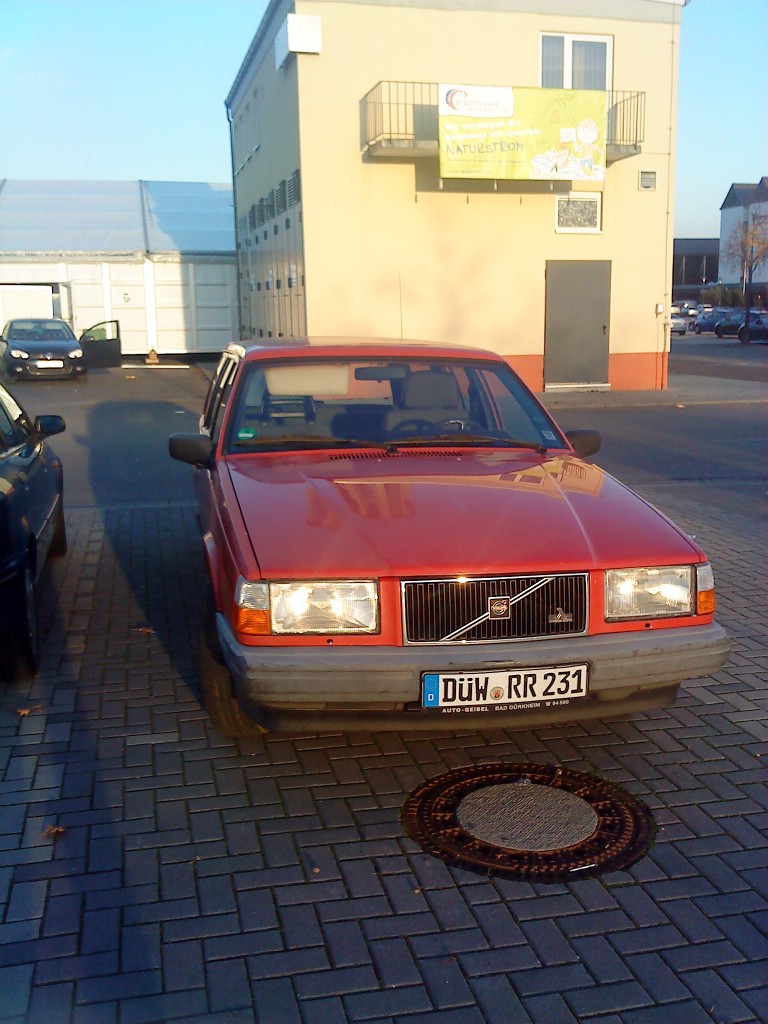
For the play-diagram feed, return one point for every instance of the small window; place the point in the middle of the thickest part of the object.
(221, 398)
(212, 400)
(579, 212)
(7, 433)
(13, 429)
(575, 62)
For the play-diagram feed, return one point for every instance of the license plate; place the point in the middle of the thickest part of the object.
(46, 364)
(507, 690)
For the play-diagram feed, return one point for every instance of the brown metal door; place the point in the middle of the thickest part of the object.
(576, 331)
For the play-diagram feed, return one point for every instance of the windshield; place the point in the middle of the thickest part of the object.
(312, 403)
(39, 330)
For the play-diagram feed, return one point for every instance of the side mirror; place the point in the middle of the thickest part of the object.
(584, 442)
(47, 426)
(196, 449)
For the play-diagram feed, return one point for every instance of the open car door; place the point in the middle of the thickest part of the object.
(101, 344)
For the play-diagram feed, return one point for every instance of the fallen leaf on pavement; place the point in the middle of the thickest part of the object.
(23, 712)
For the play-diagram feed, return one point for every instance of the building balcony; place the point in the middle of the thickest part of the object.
(399, 121)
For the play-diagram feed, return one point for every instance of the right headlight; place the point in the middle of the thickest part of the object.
(659, 592)
(650, 593)
(306, 607)
(19, 353)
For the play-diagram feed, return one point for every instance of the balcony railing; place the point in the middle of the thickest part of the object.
(400, 118)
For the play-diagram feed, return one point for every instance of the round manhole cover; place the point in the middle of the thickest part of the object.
(529, 821)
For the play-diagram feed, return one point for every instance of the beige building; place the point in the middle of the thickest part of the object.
(352, 220)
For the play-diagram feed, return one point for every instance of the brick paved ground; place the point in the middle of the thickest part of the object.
(196, 879)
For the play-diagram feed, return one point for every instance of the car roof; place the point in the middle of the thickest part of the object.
(365, 348)
(37, 320)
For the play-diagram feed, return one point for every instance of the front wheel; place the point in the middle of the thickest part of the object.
(223, 710)
(21, 654)
(59, 540)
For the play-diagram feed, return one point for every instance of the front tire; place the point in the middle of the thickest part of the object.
(21, 654)
(223, 710)
(59, 543)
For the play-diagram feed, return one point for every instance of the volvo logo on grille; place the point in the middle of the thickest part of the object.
(498, 608)
(560, 616)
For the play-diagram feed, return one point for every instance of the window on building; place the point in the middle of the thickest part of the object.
(575, 62)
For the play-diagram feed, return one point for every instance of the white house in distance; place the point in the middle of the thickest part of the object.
(156, 256)
(744, 203)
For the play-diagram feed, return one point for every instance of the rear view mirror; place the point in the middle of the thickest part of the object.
(47, 426)
(381, 373)
(584, 442)
(196, 449)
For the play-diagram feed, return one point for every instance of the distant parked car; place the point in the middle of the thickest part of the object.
(41, 348)
(679, 323)
(758, 328)
(731, 325)
(707, 320)
(31, 528)
(34, 347)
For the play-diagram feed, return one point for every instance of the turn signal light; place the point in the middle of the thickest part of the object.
(252, 621)
(705, 589)
(705, 602)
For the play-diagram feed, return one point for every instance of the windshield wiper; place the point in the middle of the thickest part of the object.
(439, 440)
(309, 441)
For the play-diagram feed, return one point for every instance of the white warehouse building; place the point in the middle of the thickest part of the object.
(158, 257)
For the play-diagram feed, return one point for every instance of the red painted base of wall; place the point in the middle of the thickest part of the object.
(627, 371)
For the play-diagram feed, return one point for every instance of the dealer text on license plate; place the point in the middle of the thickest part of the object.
(510, 690)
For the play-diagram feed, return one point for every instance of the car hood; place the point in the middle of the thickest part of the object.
(366, 514)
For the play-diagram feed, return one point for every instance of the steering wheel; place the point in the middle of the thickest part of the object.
(455, 424)
(414, 426)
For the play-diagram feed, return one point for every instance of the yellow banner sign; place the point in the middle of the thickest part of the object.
(526, 133)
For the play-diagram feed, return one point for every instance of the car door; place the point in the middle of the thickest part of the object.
(26, 492)
(101, 344)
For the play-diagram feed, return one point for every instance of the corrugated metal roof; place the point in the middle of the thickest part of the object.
(116, 217)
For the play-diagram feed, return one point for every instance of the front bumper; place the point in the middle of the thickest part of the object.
(380, 687)
(30, 371)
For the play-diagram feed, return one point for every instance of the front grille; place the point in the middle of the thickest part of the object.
(466, 610)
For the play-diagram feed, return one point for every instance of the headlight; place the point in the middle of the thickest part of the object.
(315, 606)
(19, 353)
(649, 593)
(76, 353)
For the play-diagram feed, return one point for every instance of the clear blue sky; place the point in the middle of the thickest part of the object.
(127, 89)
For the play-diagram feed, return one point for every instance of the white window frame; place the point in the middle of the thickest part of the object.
(569, 39)
(598, 196)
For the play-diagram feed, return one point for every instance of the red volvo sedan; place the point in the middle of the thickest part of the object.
(400, 536)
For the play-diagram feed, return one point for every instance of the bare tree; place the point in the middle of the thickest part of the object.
(747, 247)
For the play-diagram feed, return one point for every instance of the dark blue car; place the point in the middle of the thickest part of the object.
(31, 528)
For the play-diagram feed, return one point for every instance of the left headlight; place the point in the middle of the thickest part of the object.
(316, 606)
(650, 593)
(76, 353)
